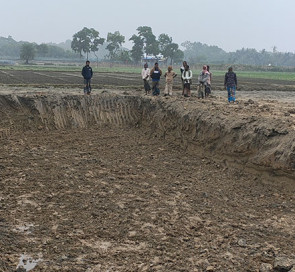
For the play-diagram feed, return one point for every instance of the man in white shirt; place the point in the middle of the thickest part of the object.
(145, 74)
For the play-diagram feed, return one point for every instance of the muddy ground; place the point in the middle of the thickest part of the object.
(119, 181)
(45, 79)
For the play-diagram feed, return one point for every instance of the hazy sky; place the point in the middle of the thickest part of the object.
(229, 24)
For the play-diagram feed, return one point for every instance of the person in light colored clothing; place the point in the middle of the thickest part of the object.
(187, 76)
(145, 74)
(203, 78)
(169, 75)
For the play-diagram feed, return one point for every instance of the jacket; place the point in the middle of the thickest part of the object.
(87, 72)
(156, 74)
(230, 79)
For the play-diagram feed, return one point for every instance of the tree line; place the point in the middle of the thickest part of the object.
(144, 43)
(88, 43)
(11, 49)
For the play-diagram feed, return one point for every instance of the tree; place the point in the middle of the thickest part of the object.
(59, 53)
(178, 56)
(136, 51)
(86, 40)
(42, 49)
(124, 56)
(27, 52)
(150, 44)
(9, 47)
(197, 52)
(164, 40)
(144, 43)
(115, 41)
(169, 49)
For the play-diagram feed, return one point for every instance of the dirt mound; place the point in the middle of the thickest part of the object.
(246, 134)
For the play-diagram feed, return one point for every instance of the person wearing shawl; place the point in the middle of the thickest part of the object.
(203, 79)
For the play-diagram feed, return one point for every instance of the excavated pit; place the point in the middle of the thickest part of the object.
(124, 182)
(264, 143)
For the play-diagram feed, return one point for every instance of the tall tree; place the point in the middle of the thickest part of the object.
(150, 43)
(178, 55)
(124, 56)
(169, 49)
(27, 52)
(86, 40)
(115, 41)
(136, 51)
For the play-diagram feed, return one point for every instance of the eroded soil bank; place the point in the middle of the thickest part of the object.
(116, 182)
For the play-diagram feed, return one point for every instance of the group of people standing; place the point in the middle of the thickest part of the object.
(203, 85)
(203, 81)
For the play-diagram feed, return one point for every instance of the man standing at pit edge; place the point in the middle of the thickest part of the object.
(230, 83)
(155, 75)
(87, 74)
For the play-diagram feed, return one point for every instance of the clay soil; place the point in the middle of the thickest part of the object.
(123, 198)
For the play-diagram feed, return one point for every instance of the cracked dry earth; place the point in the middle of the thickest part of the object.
(105, 199)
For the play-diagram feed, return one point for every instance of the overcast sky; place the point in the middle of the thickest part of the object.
(229, 24)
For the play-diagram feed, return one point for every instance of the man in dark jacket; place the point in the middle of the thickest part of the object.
(156, 73)
(87, 74)
(230, 83)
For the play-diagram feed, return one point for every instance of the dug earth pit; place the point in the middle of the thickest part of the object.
(115, 182)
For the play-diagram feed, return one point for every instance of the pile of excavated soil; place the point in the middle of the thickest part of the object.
(123, 182)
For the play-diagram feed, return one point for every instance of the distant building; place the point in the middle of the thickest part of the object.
(152, 59)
